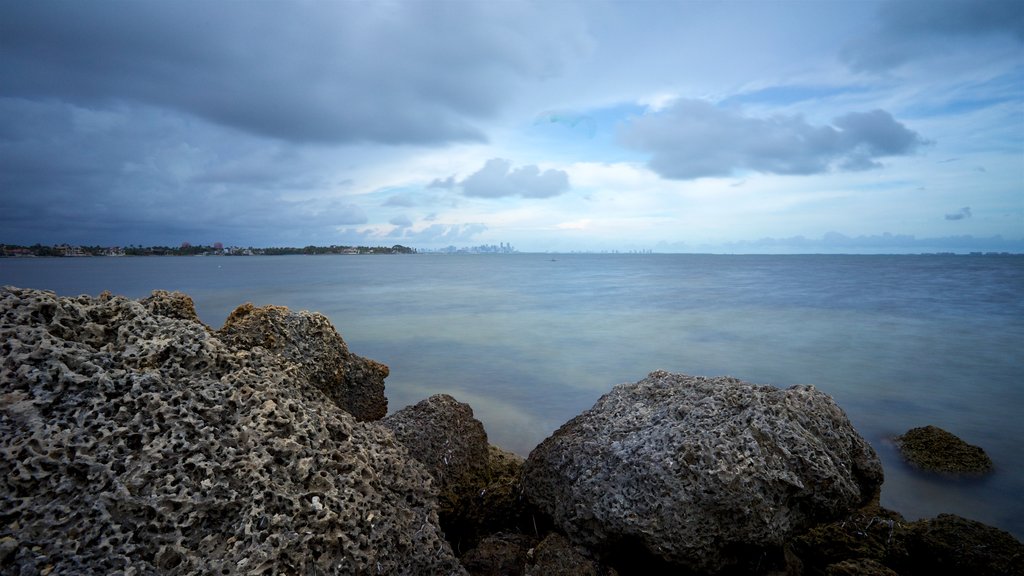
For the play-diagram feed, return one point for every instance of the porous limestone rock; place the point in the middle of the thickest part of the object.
(443, 435)
(308, 340)
(170, 304)
(933, 449)
(135, 441)
(701, 473)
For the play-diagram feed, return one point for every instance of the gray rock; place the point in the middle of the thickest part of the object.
(308, 340)
(443, 435)
(135, 441)
(700, 472)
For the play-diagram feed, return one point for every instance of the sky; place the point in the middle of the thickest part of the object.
(683, 126)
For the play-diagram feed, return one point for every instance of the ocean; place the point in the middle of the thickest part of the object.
(531, 340)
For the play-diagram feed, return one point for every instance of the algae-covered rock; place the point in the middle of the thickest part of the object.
(556, 556)
(949, 544)
(875, 537)
(859, 567)
(871, 533)
(309, 341)
(500, 554)
(702, 473)
(135, 441)
(933, 449)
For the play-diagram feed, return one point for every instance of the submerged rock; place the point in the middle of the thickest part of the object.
(308, 340)
(933, 449)
(700, 473)
(135, 440)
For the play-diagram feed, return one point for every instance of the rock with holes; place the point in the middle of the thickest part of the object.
(133, 440)
(310, 342)
(443, 435)
(700, 473)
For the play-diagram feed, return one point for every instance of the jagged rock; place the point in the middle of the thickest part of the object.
(501, 554)
(443, 435)
(933, 449)
(170, 304)
(870, 533)
(556, 556)
(487, 504)
(500, 504)
(308, 340)
(139, 442)
(510, 554)
(949, 544)
(702, 473)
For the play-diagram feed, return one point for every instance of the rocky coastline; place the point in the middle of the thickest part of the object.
(137, 440)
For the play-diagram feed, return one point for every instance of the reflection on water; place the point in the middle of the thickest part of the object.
(899, 341)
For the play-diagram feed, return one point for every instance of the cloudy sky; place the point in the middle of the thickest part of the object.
(756, 126)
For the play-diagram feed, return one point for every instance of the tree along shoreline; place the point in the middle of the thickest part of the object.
(67, 250)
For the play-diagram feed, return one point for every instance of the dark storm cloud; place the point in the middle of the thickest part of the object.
(497, 179)
(906, 30)
(961, 214)
(409, 72)
(693, 139)
(141, 175)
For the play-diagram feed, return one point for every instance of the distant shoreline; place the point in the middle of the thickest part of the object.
(65, 251)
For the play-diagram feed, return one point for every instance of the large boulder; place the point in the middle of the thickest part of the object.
(700, 473)
(133, 440)
(308, 340)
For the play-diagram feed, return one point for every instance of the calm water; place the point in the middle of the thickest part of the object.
(531, 340)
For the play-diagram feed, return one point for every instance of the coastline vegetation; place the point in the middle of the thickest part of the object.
(187, 249)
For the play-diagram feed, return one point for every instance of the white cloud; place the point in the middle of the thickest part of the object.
(497, 179)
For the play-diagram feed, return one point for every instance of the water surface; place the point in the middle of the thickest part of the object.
(530, 340)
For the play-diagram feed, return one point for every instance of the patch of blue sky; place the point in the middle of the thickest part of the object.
(583, 135)
(786, 95)
(967, 98)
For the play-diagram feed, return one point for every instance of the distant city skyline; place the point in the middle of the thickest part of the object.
(669, 126)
